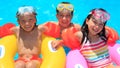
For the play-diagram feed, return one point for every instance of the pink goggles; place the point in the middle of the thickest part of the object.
(100, 15)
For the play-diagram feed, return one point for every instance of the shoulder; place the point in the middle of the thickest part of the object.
(77, 26)
(111, 33)
(42, 27)
(108, 31)
(15, 29)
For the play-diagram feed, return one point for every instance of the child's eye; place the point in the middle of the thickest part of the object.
(101, 25)
(68, 15)
(30, 19)
(61, 15)
(94, 21)
(23, 21)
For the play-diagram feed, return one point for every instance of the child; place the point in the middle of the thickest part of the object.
(93, 38)
(28, 38)
(64, 15)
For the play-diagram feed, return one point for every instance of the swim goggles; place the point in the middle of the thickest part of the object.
(24, 9)
(61, 7)
(100, 15)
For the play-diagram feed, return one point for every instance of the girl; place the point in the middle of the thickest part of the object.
(93, 38)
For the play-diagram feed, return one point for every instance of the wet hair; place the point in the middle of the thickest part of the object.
(85, 30)
(64, 3)
(24, 9)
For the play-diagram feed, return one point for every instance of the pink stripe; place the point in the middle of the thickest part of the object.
(93, 45)
(92, 48)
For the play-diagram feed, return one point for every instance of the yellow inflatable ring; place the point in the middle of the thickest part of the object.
(52, 58)
(8, 49)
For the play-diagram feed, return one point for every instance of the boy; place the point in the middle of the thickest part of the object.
(28, 38)
(64, 15)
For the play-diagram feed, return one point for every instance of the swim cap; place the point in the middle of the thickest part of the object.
(24, 9)
(62, 6)
(100, 15)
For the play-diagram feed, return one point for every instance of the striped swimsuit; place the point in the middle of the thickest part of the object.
(96, 54)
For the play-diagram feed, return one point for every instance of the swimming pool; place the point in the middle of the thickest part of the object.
(46, 10)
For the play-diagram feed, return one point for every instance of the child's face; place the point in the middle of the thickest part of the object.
(27, 21)
(64, 18)
(94, 26)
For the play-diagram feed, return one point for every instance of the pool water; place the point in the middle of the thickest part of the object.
(46, 10)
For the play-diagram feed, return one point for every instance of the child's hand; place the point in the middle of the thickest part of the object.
(56, 43)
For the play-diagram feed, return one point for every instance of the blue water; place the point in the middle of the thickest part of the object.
(46, 10)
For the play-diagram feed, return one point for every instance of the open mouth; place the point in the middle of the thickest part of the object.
(95, 30)
(27, 26)
(64, 22)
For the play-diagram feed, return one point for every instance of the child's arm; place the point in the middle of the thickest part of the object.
(79, 35)
(57, 43)
(70, 39)
(15, 30)
(42, 28)
(112, 35)
(53, 30)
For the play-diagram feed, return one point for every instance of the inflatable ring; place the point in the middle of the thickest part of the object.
(115, 53)
(76, 60)
(8, 49)
(52, 58)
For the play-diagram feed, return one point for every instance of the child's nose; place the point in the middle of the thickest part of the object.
(27, 23)
(64, 18)
(96, 26)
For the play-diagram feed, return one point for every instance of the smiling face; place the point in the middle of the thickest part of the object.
(94, 26)
(27, 21)
(64, 18)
